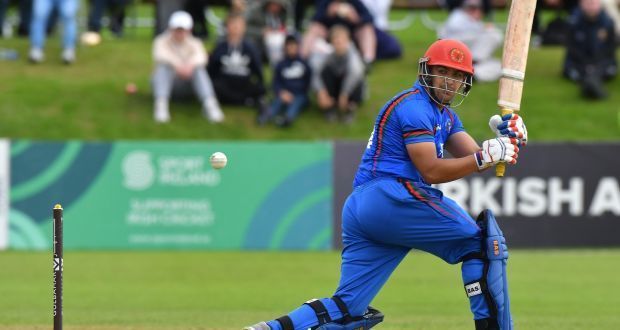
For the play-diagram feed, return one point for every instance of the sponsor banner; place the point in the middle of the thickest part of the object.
(560, 194)
(4, 193)
(154, 195)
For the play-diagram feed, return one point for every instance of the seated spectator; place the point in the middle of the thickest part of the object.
(465, 24)
(116, 20)
(236, 68)
(349, 13)
(41, 12)
(590, 52)
(291, 81)
(180, 61)
(387, 45)
(267, 27)
(340, 81)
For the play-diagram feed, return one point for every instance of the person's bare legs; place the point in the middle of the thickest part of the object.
(366, 38)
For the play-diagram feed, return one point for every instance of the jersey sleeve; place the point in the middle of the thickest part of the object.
(457, 125)
(416, 123)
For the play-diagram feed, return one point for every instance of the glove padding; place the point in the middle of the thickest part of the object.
(501, 149)
(510, 125)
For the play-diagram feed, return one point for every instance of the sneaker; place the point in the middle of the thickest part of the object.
(258, 326)
(348, 117)
(68, 55)
(331, 115)
(161, 113)
(212, 111)
(36, 55)
(282, 121)
(264, 113)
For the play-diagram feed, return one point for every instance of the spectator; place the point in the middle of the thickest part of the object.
(487, 6)
(466, 25)
(291, 81)
(40, 15)
(25, 12)
(197, 9)
(612, 10)
(116, 18)
(163, 11)
(387, 45)
(340, 81)
(236, 68)
(267, 27)
(180, 59)
(590, 52)
(350, 13)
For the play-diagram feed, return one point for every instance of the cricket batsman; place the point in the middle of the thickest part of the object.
(394, 209)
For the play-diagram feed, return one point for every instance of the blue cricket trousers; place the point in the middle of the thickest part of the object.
(382, 220)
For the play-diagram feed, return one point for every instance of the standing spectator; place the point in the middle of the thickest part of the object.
(116, 9)
(197, 9)
(291, 81)
(267, 27)
(25, 12)
(590, 52)
(40, 15)
(236, 68)
(465, 24)
(350, 13)
(341, 79)
(180, 59)
(163, 11)
(387, 45)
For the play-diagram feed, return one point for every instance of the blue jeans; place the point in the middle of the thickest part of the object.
(292, 109)
(40, 14)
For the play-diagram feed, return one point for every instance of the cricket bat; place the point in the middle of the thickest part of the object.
(514, 60)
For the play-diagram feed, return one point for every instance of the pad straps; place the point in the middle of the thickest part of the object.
(321, 312)
(346, 316)
(286, 322)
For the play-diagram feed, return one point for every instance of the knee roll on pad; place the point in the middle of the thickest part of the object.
(493, 284)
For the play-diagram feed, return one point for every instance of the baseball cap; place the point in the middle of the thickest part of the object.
(180, 20)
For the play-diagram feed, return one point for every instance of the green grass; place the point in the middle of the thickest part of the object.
(552, 289)
(87, 100)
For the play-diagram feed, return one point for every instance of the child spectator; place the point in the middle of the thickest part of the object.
(340, 81)
(590, 52)
(180, 59)
(236, 68)
(267, 27)
(291, 81)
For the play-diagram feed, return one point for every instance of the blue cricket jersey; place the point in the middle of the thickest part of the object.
(409, 117)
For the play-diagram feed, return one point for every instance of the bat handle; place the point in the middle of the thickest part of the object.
(500, 168)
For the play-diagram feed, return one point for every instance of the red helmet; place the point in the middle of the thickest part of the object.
(449, 53)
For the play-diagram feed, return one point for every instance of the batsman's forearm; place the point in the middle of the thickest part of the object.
(446, 170)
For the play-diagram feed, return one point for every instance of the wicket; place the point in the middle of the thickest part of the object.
(57, 236)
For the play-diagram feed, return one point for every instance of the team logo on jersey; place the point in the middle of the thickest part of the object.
(448, 125)
(457, 55)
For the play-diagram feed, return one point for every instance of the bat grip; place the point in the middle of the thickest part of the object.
(500, 168)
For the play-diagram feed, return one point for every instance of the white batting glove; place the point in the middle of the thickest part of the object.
(510, 125)
(501, 149)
